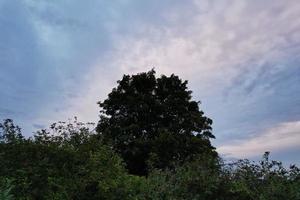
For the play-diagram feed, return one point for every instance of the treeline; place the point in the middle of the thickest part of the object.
(152, 142)
(70, 162)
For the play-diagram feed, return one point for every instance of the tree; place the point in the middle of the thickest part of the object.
(65, 162)
(265, 180)
(152, 122)
(10, 133)
(198, 179)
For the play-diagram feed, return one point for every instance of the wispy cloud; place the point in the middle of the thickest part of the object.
(282, 136)
(234, 53)
(58, 58)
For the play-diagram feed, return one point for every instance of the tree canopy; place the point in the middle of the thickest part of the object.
(153, 122)
(54, 165)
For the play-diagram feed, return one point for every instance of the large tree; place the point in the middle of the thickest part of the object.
(153, 122)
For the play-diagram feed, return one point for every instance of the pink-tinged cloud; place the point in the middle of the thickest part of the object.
(278, 138)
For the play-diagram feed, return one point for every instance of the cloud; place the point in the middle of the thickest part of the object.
(38, 126)
(58, 58)
(48, 49)
(234, 53)
(278, 138)
(17, 72)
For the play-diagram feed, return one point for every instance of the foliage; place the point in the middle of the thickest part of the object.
(152, 122)
(157, 129)
(264, 180)
(58, 165)
(9, 133)
(198, 179)
(242, 180)
(5, 189)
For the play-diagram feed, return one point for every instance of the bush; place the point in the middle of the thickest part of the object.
(5, 189)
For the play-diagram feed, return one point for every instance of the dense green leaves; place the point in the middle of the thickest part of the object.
(69, 163)
(265, 180)
(55, 166)
(208, 180)
(153, 120)
(5, 189)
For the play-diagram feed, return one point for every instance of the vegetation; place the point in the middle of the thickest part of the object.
(5, 190)
(152, 142)
(152, 122)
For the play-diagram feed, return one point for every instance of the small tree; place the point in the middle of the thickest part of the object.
(153, 122)
(10, 133)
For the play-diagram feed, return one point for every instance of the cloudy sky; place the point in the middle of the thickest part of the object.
(58, 58)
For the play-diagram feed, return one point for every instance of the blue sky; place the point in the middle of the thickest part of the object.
(58, 58)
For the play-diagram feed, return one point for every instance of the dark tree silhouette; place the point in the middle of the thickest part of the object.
(10, 133)
(152, 122)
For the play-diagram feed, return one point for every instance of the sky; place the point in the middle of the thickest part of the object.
(241, 58)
